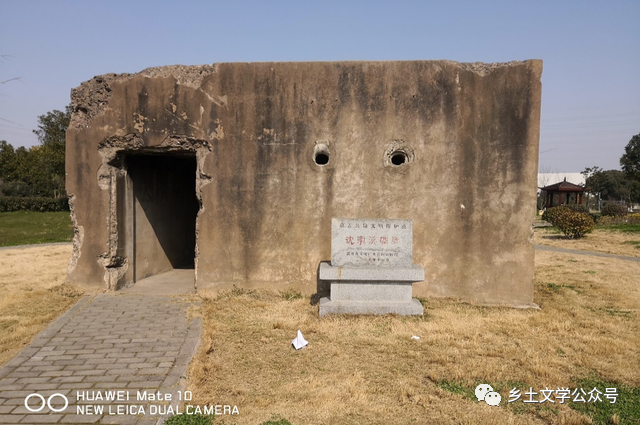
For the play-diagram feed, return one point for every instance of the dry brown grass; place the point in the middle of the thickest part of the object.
(369, 370)
(33, 294)
(607, 241)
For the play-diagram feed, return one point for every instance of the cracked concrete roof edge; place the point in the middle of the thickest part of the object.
(99, 91)
(212, 67)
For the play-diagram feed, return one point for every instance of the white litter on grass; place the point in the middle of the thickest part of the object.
(415, 337)
(299, 341)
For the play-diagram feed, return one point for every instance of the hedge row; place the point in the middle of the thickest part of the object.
(19, 203)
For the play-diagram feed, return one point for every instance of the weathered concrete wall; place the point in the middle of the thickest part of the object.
(469, 133)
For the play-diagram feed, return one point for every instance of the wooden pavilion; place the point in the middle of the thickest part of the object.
(562, 193)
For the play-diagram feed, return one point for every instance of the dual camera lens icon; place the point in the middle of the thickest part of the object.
(33, 406)
(485, 392)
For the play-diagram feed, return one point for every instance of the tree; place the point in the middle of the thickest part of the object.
(38, 171)
(612, 185)
(594, 181)
(630, 160)
(7, 161)
(48, 172)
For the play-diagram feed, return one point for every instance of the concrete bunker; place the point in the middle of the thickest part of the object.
(293, 145)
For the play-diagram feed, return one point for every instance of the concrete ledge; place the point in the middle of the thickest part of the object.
(415, 273)
(403, 308)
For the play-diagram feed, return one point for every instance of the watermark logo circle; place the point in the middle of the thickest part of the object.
(66, 402)
(26, 402)
(46, 402)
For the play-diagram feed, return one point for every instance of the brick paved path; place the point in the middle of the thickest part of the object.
(107, 342)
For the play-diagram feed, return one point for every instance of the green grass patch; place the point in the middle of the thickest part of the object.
(611, 311)
(28, 227)
(291, 295)
(208, 420)
(556, 287)
(625, 410)
(190, 420)
(456, 387)
(276, 421)
(625, 228)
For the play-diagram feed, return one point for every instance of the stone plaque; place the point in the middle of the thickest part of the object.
(371, 242)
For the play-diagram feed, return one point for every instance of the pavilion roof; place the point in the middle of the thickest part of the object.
(564, 186)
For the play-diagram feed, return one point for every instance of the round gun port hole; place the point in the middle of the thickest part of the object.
(322, 159)
(398, 158)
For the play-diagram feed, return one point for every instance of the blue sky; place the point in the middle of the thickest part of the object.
(590, 49)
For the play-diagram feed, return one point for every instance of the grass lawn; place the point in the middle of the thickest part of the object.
(615, 239)
(28, 227)
(33, 294)
(368, 369)
(625, 228)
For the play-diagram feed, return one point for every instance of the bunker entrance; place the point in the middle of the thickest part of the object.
(157, 214)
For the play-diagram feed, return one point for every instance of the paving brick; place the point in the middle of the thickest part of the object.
(120, 354)
(64, 357)
(76, 385)
(95, 355)
(45, 369)
(41, 387)
(110, 385)
(80, 419)
(11, 419)
(144, 365)
(23, 369)
(89, 372)
(111, 372)
(74, 362)
(80, 367)
(144, 385)
(119, 420)
(21, 375)
(41, 419)
(95, 345)
(12, 387)
(48, 353)
(13, 394)
(98, 379)
(129, 360)
(153, 371)
(67, 379)
(32, 362)
(80, 351)
(148, 421)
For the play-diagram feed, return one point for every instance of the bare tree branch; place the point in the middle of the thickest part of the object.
(10, 79)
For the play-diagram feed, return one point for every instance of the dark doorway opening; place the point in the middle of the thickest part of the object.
(157, 224)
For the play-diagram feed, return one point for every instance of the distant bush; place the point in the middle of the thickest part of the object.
(578, 208)
(574, 224)
(552, 214)
(615, 220)
(19, 203)
(614, 210)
